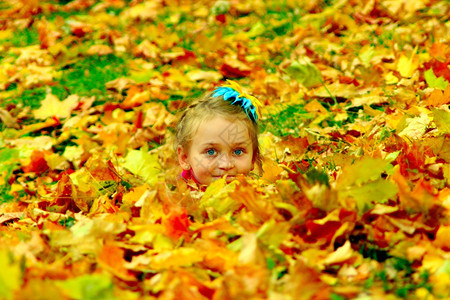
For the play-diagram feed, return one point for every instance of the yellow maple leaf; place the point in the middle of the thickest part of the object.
(51, 106)
(407, 66)
(175, 258)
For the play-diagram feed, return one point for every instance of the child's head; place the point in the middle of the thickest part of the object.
(218, 135)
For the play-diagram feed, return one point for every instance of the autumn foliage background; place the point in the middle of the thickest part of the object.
(354, 200)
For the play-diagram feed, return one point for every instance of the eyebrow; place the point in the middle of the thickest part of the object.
(212, 144)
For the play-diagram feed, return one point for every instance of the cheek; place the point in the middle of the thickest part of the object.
(202, 164)
(246, 165)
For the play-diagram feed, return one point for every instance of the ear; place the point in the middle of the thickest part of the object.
(183, 158)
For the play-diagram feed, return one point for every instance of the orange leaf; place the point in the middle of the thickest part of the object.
(438, 98)
(64, 194)
(177, 224)
(418, 199)
(440, 51)
(44, 38)
(101, 170)
(135, 97)
(112, 259)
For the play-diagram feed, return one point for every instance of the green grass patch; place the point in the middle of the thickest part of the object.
(286, 120)
(67, 222)
(87, 76)
(23, 38)
(403, 283)
(8, 163)
(31, 98)
(64, 14)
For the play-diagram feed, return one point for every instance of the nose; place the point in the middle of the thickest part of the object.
(225, 162)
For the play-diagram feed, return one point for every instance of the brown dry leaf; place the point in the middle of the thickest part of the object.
(47, 35)
(8, 216)
(99, 50)
(80, 29)
(7, 119)
(147, 49)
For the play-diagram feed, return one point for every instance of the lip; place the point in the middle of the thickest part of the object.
(228, 178)
(220, 176)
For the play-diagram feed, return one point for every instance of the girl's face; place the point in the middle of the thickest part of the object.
(219, 147)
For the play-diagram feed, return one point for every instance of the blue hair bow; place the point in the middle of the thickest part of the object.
(234, 94)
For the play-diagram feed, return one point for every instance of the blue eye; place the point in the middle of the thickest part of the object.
(211, 152)
(238, 152)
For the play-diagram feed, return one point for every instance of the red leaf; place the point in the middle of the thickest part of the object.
(177, 224)
(221, 18)
(233, 72)
(319, 231)
(348, 80)
(38, 163)
(441, 69)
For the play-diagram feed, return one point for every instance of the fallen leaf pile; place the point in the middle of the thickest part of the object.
(354, 199)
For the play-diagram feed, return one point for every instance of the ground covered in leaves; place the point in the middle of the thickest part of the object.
(354, 199)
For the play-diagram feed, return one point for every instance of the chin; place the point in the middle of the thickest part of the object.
(230, 178)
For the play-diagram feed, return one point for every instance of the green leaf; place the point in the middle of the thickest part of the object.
(142, 75)
(270, 263)
(337, 297)
(445, 268)
(90, 286)
(144, 164)
(256, 30)
(8, 159)
(435, 82)
(366, 55)
(392, 156)
(220, 7)
(305, 72)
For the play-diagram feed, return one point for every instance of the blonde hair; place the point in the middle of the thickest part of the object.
(207, 108)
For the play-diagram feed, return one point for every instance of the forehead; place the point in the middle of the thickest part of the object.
(224, 130)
